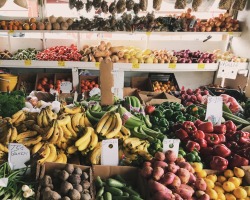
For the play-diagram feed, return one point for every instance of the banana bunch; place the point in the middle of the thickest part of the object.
(64, 121)
(45, 117)
(109, 125)
(8, 133)
(95, 155)
(79, 120)
(29, 138)
(18, 117)
(88, 141)
(72, 111)
(95, 113)
(130, 121)
(133, 103)
(3, 156)
(123, 134)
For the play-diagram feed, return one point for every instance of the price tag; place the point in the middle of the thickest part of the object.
(109, 154)
(61, 63)
(148, 33)
(201, 66)
(171, 144)
(27, 62)
(66, 86)
(0, 62)
(230, 33)
(11, 31)
(172, 65)
(228, 70)
(97, 65)
(135, 65)
(18, 155)
(214, 110)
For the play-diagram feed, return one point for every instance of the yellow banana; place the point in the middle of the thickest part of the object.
(69, 126)
(44, 154)
(86, 135)
(95, 156)
(82, 120)
(72, 111)
(75, 121)
(134, 144)
(66, 132)
(64, 145)
(72, 149)
(8, 136)
(86, 121)
(53, 155)
(21, 118)
(65, 159)
(112, 126)
(45, 119)
(84, 145)
(60, 137)
(125, 131)
(32, 141)
(106, 126)
(39, 119)
(117, 127)
(26, 134)
(16, 115)
(129, 140)
(50, 132)
(129, 155)
(37, 147)
(65, 120)
(29, 123)
(59, 158)
(102, 122)
(145, 155)
(94, 140)
(13, 136)
(21, 128)
(51, 116)
(53, 139)
(3, 148)
(38, 129)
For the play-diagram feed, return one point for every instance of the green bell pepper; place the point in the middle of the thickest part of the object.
(180, 118)
(175, 106)
(158, 113)
(163, 122)
(168, 113)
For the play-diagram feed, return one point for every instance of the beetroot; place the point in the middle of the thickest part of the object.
(170, 156)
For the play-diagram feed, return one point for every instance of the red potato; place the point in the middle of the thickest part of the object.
(172, 167)
(184, 175)
(185, 191)
(170, 156)
(163, 195)
(186, 165)
(161, 164)
(204, 197)
(147, 164)
(180, 159)
(155, 186)
(176, 182)
(200, 184)
(146, 171)
(158, 173)
(192, 178)
(177, 197)
(159, 156)
(167, 178)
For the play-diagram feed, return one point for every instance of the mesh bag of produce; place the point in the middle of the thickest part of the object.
(21, 3)
(157, 4)
(105, 7)
(239, 4)
(97, 4)
(180, 4)
(225, 4)
(143, 5)
(2, 2)
(121, 6)
(196, 4)
(130, 5)
(89, 5)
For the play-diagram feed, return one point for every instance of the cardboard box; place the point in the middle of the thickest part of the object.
(141, 83)
(49, 168)
(27, 81)
(128, 91)
(155, 98)
(49, 76)
(130, 174)
(87, 78)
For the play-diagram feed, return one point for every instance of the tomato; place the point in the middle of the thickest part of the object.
(85, 87)
(58, 82)
(92, 82)
(51, 86)
(39, 86)
(82, 84)
(87, 83)
(96, 85)
(82, 81)
(43, 82)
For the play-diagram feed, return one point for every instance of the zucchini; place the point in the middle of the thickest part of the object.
(100, 192)
(120, 198)
(235, 118)
(119, 178)
(98, 182)
(226, 109)
(114, 183)
(130, 191)
(126, 194)
(100, 198)
(107, 196)
(114, 191)
(133, 197)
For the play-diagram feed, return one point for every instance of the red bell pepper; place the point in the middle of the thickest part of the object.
(181, 134)
(206, 151)
(207, 127)
(238, 161)
(189, 127)
(192, 146)
(231, 127)
(242, 137)
(202, 142)
(222, 138)
(198, 134)
(218, 163)
(197, 122)
(220, 129)
(212, 139)
(221, 150)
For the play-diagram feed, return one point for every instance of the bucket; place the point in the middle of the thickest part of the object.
(7, 82)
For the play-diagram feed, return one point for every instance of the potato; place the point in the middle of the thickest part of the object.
(192, 178)
(200, 184)
(167, 178)
(176, 182)
(158, 173)
(204, 197)
(185, 191)
(159, 156)
(146, 171)
(163, 195)
(161, 164)
(172, 167)
(177, 197)
(184, 175)
(170, 156)
(186, 165)
(155, 186)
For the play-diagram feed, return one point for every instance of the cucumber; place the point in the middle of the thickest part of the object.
(120, 198)
(100, 198)
(226, 109)
(235, 119)
(107, 196)
(131, 191)
(114, 183)
(125, 194)
(100, 192)
(114, 191)
(98, 182)
(133, 197)
(119, 178)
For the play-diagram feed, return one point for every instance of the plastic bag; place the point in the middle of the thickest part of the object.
(196, 4)
(225, 4)
(180, 4)
(239, 4)
(21, 3)
(2, 2)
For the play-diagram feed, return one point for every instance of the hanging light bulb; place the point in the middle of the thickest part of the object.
(21, 3)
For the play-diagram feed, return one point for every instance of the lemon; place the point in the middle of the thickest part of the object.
(212, 177)
(239, 172)
(197, 166)
(210, 184)
(230, 196)
(201, 174)
(219, 189)
(221, 196)
(240, 192)
(212, 193)
(236, 181)
(247, 188)
(228, 173)
(221, 179)
(228, 186)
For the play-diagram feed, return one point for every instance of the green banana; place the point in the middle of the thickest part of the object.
(147, 121)
(97, 114)
(137, 101)
(152, 133)
(141, 135)
(91, 118)
(96, 107)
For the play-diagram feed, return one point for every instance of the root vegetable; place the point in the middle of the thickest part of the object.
(63, 175)
(147, 163)
(170, 156)
(120, 54)
(146, 171)
(78, 170)
(163, 195)
(186, 165)
(161, 164)
(184, 175)
(69, 168)
(167, 178)
(85, 184)
(155, 186)
(78, 187)
(49, 194)
(176, 182)
(74, 194)
(185, 191)
(65, 198)
(160, 156)
(204, 197)
(192, 178)
(56, 26)
(199, 193)
(85, 196)
(64, 26)
(114, 58)
(102, 47)
(74, 179)
(65, 187)
(200, 184)
(47, 182)
(172, 167)
(85, 176)
(101, 53)
(158, 173)
(116, 49)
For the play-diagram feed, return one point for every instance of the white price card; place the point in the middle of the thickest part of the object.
(110, 152)
(214, 110)
(66, 86)
(171, 144)
(18, 155)
(228, 70)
